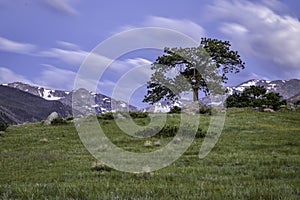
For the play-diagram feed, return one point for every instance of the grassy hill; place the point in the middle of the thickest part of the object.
(256, 157)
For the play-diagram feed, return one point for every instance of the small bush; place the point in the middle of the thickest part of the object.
(70, 118)
(99, 166)
(138, 114)
(175, 110)
(170, 131)
(3, 126)
(205, 110)
(106, 116)
(58, 121)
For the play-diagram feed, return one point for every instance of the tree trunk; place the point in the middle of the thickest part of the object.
(195, 94)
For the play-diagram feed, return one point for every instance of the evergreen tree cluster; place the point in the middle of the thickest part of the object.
(255, 96)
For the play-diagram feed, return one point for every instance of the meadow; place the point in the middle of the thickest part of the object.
(257, 157)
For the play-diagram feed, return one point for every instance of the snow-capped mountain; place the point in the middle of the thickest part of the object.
(163, 107)
(87, 102)
(100, 104)
(39, 91)
(286, 88)
(17, 106)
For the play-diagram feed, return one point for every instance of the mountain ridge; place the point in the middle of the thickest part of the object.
(14, 103)
(17, 106)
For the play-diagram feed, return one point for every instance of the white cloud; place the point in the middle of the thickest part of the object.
(16, 47)
(63, 6)
(187, 27)
(260, 32)
(56, 78)
(125, 76)
(68, 45)
(9, 76)
(72, 57)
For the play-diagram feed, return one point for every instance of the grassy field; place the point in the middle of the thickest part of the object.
(256, 157)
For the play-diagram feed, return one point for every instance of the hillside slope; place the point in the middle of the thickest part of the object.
(17, 106)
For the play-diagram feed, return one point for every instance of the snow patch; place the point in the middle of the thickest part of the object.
(48, 96)
(123, 105)
(241, 89)
(248, 84)
(160, 108)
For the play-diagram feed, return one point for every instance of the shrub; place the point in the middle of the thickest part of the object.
(70, 118)
(99, 166)
(175, 109)
(106, 116)
(138, 114)
(110, 115)
(58, 121)
(205, 110)
(170, 131)
(3, 126)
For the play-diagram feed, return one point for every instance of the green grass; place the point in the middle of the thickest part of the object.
(256, 157)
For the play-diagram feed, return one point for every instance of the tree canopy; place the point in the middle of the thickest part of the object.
(255, 96)
(203, 68)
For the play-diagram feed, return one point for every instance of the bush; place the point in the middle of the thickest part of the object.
(70, 118)
(58, 121)
(170, 131)
(138, 114)
(99, 166)
(134, 115)
(106, 116)
(175, 109)
(3, 126)
(205, 110)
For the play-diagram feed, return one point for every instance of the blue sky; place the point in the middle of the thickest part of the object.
(44, 42)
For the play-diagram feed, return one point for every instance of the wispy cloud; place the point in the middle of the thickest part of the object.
(68, 45)
(259, 31)
(9, 76)
(62, 6)
(185, 26)
(72, 57)
(16, 47)
(54, 77)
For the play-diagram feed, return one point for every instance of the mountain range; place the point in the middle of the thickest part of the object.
(20, 102)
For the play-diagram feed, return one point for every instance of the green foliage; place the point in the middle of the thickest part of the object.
(3, 126)
(59, 121)
(205, 110)
(201, 68)
(175, 109)
(70, 118)
(99, 166)
(106, 116)
(255, 96)
(135, 115)
(170, 130)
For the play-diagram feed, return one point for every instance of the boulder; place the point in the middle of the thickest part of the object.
(148, 143)
(268, 110)
(50, 118)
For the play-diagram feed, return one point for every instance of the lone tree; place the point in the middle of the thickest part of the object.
(203, 68)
